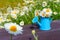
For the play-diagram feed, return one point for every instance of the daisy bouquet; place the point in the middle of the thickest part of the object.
(46, 13)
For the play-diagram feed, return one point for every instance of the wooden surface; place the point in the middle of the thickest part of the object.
(53, 34)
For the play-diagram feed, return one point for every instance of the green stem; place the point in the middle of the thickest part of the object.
(35, 37)
(26, 19)
(10, 36)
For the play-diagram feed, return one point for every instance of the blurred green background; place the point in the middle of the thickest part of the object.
(55, 6)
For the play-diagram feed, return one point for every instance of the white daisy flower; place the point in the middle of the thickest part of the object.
(22, 13)
(25, 8)
(1, 19)
(15, 11)
(5, 16)
(36, 12)
(27, 2)
(22, 23)
(13, 28)
(47, 15)
(44, 4)
(9, 9)
(47, 10)
(14, 16)
(30, 7)
(31, 1)
(55, 13)
(42, 14)
(57, 1)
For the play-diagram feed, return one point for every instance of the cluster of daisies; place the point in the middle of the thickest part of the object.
(17, 14)
(12, 20)
(46, 12)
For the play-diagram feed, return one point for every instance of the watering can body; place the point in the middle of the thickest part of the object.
(44, 23)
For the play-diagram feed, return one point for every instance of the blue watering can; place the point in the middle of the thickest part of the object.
(44, 23)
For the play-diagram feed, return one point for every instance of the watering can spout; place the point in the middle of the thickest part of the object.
(39, 23)
(35, 20)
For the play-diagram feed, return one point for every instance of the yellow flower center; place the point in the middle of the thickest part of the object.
(14, 16)
(13, 28)
(47, 10)
(43, 14)
(14, 12)
(0, 19)
(31, 1)
(47, 15)
(37, 14)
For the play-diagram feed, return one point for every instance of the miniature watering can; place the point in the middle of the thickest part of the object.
(44, 23)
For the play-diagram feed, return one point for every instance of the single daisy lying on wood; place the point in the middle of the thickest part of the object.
(13, 28)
